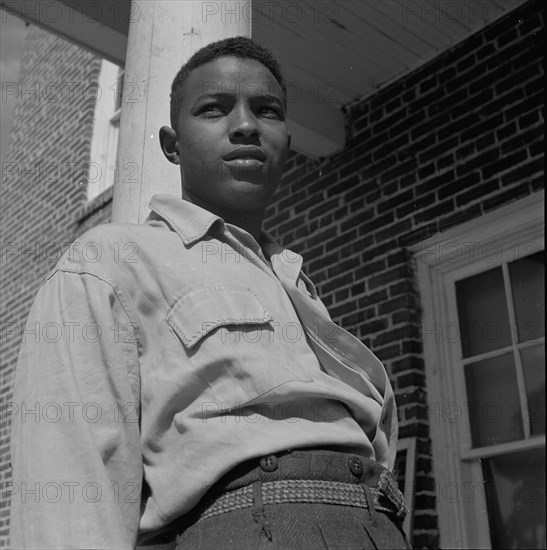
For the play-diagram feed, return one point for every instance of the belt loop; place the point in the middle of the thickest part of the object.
(389, 488)
(258, 509)
(372, 511)
(258, 503)
(370, 503)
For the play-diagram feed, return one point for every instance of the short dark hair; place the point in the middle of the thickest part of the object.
(238, 46)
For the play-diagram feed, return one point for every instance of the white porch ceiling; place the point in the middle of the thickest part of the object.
(341, 49)
(347, 49)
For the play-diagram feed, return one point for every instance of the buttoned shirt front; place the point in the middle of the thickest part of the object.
(156, 358)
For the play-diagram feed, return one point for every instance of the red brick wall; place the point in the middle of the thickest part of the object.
(43, 185)
(447, 143)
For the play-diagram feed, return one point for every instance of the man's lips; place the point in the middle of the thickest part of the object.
(246, 153)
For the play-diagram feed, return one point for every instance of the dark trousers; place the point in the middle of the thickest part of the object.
(305, 499)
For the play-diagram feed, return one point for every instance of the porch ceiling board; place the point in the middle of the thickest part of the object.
(358, 46)
(355, 46)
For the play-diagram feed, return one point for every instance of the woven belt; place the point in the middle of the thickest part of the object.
(307, 491)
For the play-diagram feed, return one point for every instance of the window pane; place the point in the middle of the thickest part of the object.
(482, 313)
(533, 364)
(515, 493)
(494, 404)
(528, 286)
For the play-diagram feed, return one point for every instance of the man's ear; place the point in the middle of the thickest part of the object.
(169, 144)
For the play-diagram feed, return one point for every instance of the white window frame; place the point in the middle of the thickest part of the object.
(516, 230)
(106, 121)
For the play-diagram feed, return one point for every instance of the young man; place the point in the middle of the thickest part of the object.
(201, 392)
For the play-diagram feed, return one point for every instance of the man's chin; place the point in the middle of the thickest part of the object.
(250, 189)
(255, 174)
(249, 198)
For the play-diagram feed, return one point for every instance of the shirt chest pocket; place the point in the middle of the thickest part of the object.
(232, 343)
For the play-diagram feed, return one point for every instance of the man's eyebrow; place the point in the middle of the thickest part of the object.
(228, 95)
(268, 97)
(213, 95)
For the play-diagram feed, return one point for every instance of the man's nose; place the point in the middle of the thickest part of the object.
(244, 124)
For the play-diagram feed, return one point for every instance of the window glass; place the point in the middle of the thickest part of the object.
(493, 401)
(515, 494)
(482, 312)
(528, 287)
(533, 364)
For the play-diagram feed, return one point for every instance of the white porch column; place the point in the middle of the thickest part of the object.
(163, 34)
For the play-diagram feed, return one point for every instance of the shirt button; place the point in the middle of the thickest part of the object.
(356, 467)
(269, 463)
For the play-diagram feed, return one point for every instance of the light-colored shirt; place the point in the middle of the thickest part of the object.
(157, 357)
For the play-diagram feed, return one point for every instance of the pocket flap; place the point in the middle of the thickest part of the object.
(205, 308)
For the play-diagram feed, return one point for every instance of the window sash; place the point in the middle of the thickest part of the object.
(459, 362)
(463, 522)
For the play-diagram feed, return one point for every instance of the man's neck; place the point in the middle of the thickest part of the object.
(248, 221)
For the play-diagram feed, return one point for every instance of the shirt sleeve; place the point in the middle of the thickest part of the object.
(76, 457)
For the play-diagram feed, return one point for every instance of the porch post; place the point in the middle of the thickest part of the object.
(163, 34)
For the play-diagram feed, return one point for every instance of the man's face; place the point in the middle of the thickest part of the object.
(231, 135)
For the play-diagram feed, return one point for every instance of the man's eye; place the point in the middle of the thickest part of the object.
(212, 109)
(270, 111)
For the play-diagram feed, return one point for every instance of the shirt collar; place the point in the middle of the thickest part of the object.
(286, 263)
(189, 221)
(192, 223)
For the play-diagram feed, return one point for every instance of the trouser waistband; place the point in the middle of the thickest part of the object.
(314, 476)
